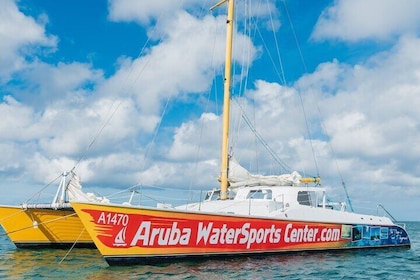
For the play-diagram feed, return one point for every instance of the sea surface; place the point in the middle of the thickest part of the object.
(391, 263)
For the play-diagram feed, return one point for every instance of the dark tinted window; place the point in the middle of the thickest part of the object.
(304, 198)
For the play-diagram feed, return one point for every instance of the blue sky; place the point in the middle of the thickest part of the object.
(66, 68)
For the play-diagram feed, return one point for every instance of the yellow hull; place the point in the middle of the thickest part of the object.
(46, 227)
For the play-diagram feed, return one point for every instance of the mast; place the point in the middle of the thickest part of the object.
(226, 98)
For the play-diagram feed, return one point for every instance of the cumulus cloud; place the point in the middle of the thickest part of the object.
(44, 84)
(58, 109)
(370, 115)
(17, 33)
(181, 63)
(146, 11)
(372, 20)
(197, 138)
(163, 11)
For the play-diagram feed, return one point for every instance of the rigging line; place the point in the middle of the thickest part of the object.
(292, 27)
(72, 247)
(245, 117)
(263, 142)
(335, 161)
(243, 81)
(298, 88)
(317, 105)
(277, 45)
(11, 215)
(111, 115)
(253, 107)
(40, 191)
(157, 129)
(280, 74)
(281, 77)
(205, 110)
(250, 23)
(31, 226)
(119, 104)
(307, 129)
(133, 187)
(244, 51)
(150, 145)
(245, 60)
(233, 70)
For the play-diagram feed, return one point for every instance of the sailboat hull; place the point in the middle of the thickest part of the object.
(44, 228)
(130, 235)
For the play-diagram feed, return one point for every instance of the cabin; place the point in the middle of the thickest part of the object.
(300, 202)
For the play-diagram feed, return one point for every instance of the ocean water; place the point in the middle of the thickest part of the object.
(391, 263)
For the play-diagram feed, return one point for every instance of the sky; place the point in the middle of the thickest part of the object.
(129, 93)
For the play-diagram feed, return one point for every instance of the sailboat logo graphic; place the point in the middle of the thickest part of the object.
(119, 240)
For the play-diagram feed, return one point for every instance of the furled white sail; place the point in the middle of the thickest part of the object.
(75, 193)
(239, 176)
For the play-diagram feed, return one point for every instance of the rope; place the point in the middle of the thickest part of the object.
(336, 163)
(40, 191)
(202, 120)
(261, 139)
(112, 113)
(317, 105)
(31, 226)
(277, 45)
(152, 142)
(74, 244)
(12, 215)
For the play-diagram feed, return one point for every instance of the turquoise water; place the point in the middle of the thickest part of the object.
(393, 263)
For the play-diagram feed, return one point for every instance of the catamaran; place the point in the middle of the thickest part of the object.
(50, 225)
(249, 214)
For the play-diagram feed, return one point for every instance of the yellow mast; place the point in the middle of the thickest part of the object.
(226, 98)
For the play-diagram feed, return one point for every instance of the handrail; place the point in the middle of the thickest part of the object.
(386, 211)
(392, 218)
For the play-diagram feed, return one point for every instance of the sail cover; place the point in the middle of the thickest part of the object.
(75, 193)
(239, 176)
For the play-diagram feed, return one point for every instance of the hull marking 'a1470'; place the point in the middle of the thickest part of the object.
(147, 231)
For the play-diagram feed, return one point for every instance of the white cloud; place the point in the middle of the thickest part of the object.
(45, 84)
(367, 19)
(145, 11)
(69, 102)
(197, 139)
(181, 63)
(370, 113)
(17, 32)
(163, 11)
(16, 119)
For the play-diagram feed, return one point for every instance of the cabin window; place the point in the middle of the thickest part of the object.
(304, 198)
(259, 194)
(212, 195)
